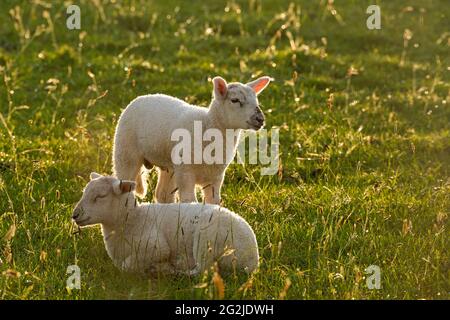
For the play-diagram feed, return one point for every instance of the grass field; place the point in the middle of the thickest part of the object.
(364, 118)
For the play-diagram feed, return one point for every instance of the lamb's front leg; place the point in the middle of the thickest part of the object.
(211, 191)
(165, 189)
(185, 181)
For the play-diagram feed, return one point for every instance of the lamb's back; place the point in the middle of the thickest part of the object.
(152, 119)
(161, 111)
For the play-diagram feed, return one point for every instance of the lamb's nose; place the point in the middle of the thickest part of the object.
(259, 114)
(260, 117)
(76, 213)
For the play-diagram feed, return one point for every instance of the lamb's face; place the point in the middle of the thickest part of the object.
(100, 200)
(240, 106)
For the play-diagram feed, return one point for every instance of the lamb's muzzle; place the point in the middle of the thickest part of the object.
(76, 213)
(79, 217)
(257, 119)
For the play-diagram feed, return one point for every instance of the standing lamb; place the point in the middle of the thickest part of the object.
(144, 137)
(183, 238)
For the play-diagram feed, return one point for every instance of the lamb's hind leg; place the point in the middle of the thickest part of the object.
(185, 181)
(203, 251)
(165, 189)
(211, 191)
(132, 169)
(128, 166)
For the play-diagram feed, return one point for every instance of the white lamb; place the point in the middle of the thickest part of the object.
(144, 138)
(169, 238)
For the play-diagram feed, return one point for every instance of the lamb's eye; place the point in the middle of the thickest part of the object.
(236, 101)
(99, 197)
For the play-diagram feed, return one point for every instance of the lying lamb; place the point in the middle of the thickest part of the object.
(168, 238)
(144, 138)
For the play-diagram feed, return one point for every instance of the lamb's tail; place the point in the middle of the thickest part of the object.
(129, 164)
(141, 178)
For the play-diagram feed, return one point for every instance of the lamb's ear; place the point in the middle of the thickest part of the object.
(259, 84)
(95, 175)
(122, 186)
(220, 88)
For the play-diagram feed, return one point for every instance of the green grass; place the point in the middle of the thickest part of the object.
(365, 159)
